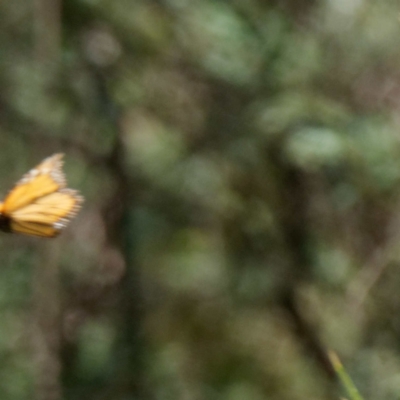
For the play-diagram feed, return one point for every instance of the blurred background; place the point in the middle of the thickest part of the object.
(240, 162)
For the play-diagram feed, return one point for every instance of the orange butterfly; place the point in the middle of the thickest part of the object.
(40, 204)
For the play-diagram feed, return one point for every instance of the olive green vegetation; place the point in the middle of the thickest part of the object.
(240, 162)
(345, 379)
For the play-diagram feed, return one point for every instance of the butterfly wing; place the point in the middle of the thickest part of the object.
(47, 215)
(44, 179)
(39, 204)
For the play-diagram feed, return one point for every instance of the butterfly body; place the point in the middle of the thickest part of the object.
(40, 204)
(5, 225)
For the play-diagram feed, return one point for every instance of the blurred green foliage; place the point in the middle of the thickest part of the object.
(241, 167)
